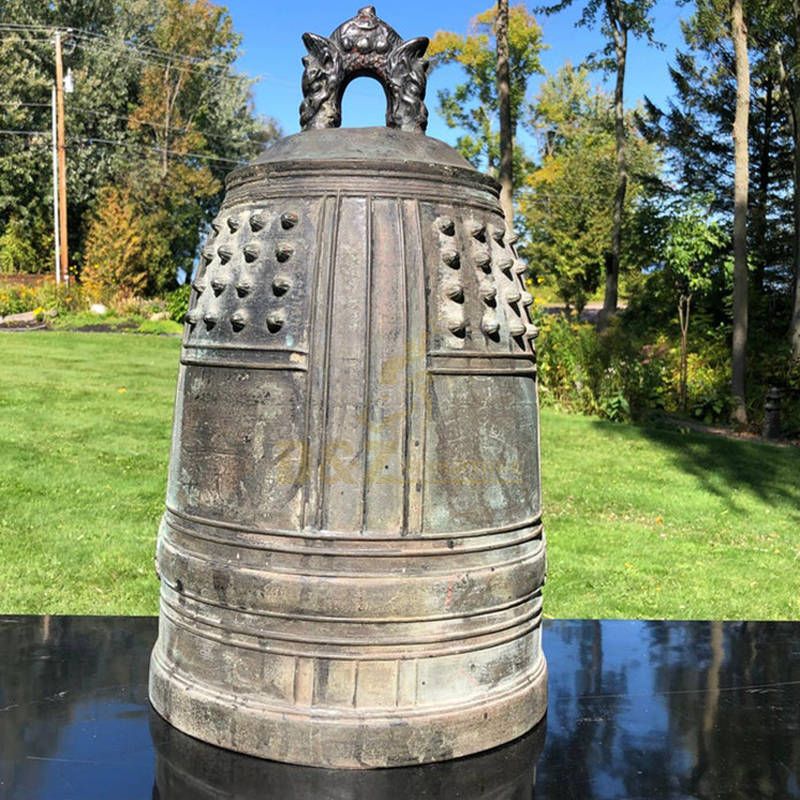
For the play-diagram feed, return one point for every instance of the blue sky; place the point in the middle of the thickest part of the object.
(272, 49)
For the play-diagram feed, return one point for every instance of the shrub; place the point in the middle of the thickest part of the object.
(126, 304)
(17, 254)
(121, 248)
(708, 388)
(568, 359)
(178, 302)
(18, 298)
(614, 375)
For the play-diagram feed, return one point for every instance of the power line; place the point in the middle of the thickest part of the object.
(117, 143)
(10, 132)
(22, 104)
(165, 55)
(108, 115)
(131, 52)
(25, 26)
(153, 54)
(135, 145)
(15, 37)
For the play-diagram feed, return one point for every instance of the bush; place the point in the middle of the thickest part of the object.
(126, 304)
(178, 302)
(17, 254)
(18, 298)
(121, 248)
(616, 376)
(568, 359)
(605, 374)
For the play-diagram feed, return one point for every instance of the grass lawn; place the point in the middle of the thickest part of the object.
(641, 522)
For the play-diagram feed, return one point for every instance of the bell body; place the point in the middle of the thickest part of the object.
(352, 557)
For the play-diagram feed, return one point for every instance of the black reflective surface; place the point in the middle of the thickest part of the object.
(637, 710)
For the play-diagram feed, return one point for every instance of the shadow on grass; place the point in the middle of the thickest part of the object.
(723, 466)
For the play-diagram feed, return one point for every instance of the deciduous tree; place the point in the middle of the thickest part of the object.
(567, 206)
(473, 106)
(694, 247)
(158, 111)
(618, 20)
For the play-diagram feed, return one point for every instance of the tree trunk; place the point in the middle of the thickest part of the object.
(167, 110)
(794, 324)
(741, 166)
(760, 210)
(620, 34)
(506, 175)
(684, 308)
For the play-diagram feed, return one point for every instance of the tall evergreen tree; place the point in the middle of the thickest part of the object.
(780, 32)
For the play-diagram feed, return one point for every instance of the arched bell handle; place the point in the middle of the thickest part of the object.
(364, 45)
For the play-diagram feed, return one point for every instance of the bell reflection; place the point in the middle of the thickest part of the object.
(188, 769)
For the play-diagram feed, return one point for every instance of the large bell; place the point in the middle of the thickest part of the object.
(352, 556)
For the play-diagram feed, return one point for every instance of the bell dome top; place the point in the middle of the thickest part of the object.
(363, 46)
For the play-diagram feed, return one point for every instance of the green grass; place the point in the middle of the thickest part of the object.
(641, 522)
(655, 523)
(84, 439)
(83, 320)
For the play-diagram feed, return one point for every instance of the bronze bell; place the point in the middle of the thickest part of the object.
(352, 556)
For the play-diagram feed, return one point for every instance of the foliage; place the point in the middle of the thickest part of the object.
(18, 298)
(17, 253)
(154, 82)
(473, 106)
(630, 16)
(566, 208)
(618, 20)
(120, 248)
(695, 130)
(622, 374)
(568, 355)
(694, 247)
(178, 302)
(707, 384)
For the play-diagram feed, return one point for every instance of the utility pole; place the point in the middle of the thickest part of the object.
(56, 218)
(62, 164)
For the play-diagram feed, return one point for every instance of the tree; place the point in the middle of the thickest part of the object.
(154, 86)
(174, 186)
(120, 248)
(693, 248)
(694, 132)
(567, 203)
(618, 19)
(504, 102)
(780, 31)
(740, 192)
(474, 105)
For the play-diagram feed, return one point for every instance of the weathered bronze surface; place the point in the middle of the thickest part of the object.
(352, 555)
